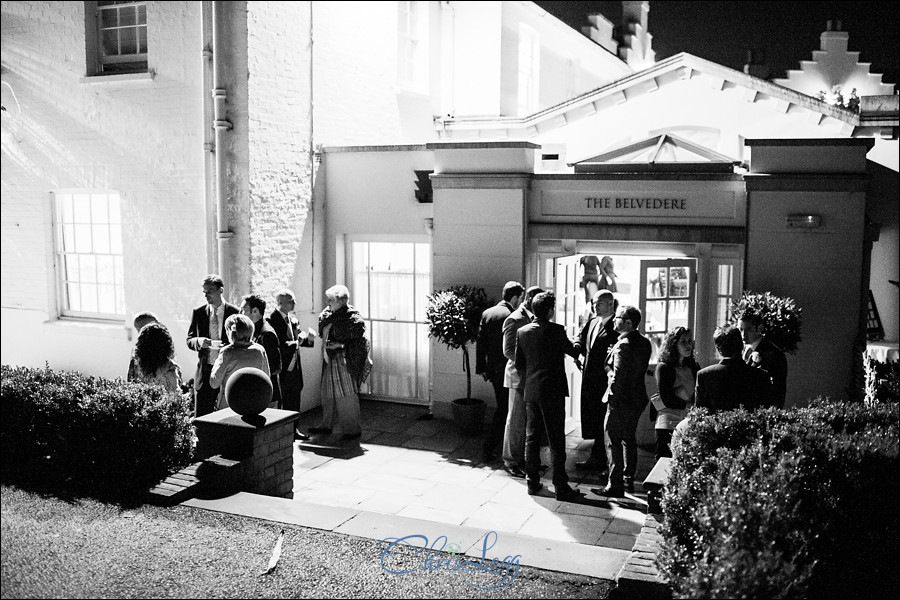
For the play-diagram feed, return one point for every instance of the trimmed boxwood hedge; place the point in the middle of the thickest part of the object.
(797, 503)
(72, 434)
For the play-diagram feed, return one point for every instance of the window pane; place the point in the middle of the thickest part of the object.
(115, 239)
(142, 40)
(82, 238)
(110, 42)
(142, 17)
(679, 282)
(360, 282)
(108, 19)
(68, 238)
(128, 41)
(101, 238)
(656, 282)
(74, 295)
(120, 300)
(393, 372)
(70, 268)
(82, 208)
(114, 209)
(89, 297)
(106, 270)
(722, 311)
(422, 356)
(120, 272)
(391, 278)
(726, 274)
(88, 269)
(656, 342)
(107, 298)
(655, 319)
(99, 210)
(66, 209)
(127, 16)
(678, 314)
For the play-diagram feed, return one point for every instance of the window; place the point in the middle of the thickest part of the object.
(390, 283)
(529, 69)
(89, 254)
(667, 298)
(116, 35)
(412, 46)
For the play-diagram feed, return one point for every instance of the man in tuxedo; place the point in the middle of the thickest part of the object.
(541, 347)
(490, 362)
(514, 431)
(761, 352)
(732, 383)
(596, 338)
(254, 307)
(287, 328)
(206, 335)
(626, 397)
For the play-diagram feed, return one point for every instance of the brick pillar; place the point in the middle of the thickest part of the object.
(264, 445)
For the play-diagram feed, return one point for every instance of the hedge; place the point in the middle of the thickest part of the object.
(69, 433)
(776, 503)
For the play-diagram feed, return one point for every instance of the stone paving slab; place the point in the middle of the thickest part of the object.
(282, 510)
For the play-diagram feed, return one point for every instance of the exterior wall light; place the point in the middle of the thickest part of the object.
(804, 221)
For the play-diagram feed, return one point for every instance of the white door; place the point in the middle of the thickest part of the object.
(569, 308)
(667, 298)
(390, 283)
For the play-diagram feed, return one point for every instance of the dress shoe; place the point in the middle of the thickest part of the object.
(609, 492)
(567, 494)
(534, 488)
(590, 465)
(352, 436)
(514, 471)
(320, 429)
(299, 435)
(629, 487)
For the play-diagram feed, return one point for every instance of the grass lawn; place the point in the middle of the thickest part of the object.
(87, 549)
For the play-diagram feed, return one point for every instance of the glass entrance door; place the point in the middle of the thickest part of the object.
(667, 298)
(390, 283)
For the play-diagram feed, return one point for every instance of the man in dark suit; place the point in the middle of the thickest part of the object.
(255, 307)
(596, 338)
(514, 431)
(732, 383)
(206, 335)
(287, 328)
(762, 353)
(490, 362)
(626, 397)
(541, 347)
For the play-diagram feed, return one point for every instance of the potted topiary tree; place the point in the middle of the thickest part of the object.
(453, 317)
(781, 317)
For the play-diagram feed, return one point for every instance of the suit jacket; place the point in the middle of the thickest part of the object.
(541, 347)
(199, 328)
(265, 336)
(732, 383)
(489, 358)
(594, 343)
(628, 360)
(286, 350)
(773, 362)
(511, 325)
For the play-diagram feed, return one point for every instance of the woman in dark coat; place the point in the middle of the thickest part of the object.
(345, 366)
(676, 378)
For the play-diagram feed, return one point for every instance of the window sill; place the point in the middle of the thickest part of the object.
(118, 78)
(73, 326)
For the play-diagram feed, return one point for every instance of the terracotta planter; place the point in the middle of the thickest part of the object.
(468, 414)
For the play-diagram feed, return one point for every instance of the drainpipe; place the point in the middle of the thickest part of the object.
(221, 125)
(208, 145)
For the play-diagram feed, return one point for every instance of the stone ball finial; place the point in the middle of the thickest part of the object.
(248, 391)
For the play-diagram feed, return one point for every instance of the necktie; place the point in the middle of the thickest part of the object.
(748, 350)
(290, 328)
(213, 323)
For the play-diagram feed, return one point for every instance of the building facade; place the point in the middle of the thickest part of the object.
(309, 143)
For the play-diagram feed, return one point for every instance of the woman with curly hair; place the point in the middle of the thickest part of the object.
(676, 378)
(154, 352)
(345, 366)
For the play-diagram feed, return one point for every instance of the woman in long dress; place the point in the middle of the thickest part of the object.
(345, 365)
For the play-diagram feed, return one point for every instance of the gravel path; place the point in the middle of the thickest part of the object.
(56, 549)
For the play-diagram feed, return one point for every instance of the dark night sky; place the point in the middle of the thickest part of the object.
(787, 31)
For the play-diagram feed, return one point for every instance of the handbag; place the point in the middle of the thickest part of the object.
(657, 402)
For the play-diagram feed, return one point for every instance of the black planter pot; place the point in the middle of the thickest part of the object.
(468, 414)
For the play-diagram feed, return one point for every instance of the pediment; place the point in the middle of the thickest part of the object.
(663, 152)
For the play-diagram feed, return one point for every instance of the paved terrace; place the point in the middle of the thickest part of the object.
(408, 476)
